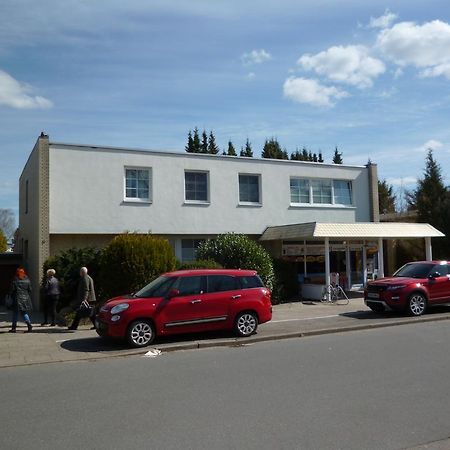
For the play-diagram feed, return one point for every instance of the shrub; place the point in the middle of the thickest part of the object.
(130, 261)
(67, 265)
(238, 251)
(200, 264)
(3, 243)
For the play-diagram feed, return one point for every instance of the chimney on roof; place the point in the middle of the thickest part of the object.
(43, 135)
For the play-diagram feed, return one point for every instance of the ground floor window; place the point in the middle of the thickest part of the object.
(189, 249)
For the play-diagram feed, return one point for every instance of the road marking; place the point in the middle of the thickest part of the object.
(307, 318)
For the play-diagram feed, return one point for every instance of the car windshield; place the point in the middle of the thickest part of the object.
(157, 288)
(414, 270)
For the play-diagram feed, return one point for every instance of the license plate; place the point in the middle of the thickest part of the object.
(373, 295)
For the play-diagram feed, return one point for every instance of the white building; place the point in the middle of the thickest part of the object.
(80, 195)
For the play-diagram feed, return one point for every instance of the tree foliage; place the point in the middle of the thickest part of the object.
(272, 149)
(247, 151)
(67, 265)
(231, 150)
(238, 251)
(386, 197)
(213, 149)
(130, 261)
(3, 243)
(337, 158)
(7, 222)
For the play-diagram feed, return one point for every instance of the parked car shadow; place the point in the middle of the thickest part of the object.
(99, 344)
(371, 315)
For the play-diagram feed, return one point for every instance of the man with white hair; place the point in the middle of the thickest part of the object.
(85, 299)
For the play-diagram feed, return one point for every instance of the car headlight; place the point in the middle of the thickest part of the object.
(395, 288)
(119, 308)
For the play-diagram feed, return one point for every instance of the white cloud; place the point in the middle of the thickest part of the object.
(350, 65)
(424, 46)
(432, 143)
(384, 21)
(255, 57)
(403, 181)
(251, 75)
(303, 90)
(18, 95)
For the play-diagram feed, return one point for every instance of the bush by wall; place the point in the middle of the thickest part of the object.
(130, 261)
(286, 284)
(238, 251)
(67, 265)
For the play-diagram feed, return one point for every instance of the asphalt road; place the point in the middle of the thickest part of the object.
(376, 389)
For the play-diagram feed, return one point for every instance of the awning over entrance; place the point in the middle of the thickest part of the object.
(359, 230)
(331, 234)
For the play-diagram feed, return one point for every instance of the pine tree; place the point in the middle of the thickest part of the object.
(314, 157)
(310, 156)
(204, 144)
(196, 141)
(337, 159)
(190, 143)
(296, 156)
(212, 146)
(272, 149)
(386, 197)
(304, 154)
(231, 149)
(320, 157)
(248, 149)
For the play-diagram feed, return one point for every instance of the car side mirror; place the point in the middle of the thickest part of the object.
(173, 293)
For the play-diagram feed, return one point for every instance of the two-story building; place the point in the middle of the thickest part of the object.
(322, 217)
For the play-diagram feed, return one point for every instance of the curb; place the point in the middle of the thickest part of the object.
(243, 341)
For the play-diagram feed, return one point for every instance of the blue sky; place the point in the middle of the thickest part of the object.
(369, 77)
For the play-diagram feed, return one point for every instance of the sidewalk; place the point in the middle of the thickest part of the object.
(57, 344)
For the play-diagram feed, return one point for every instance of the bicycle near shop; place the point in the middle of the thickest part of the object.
(333, 293)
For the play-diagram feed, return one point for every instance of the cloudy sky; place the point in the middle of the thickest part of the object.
(370, 77)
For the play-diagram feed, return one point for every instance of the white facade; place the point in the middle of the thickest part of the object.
(76, 195)
(87, 193)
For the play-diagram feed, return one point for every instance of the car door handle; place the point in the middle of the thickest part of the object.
(196, 301)
(236, 296)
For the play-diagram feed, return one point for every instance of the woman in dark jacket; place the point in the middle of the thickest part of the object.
(21, 295)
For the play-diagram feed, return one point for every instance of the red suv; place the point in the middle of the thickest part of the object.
(413, 288)
(188, 301)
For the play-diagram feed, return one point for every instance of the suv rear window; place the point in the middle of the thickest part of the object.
(250, 282)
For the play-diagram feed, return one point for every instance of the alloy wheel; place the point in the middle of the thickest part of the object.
(141, 334)
(246, 324)
(417, 304)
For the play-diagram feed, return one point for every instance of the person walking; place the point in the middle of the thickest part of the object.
(85, 299)
(20, 293)
(52, 292)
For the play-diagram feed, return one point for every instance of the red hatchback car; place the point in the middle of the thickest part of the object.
(411, 289)
(188, 301)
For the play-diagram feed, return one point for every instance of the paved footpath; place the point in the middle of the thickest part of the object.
(57, 344)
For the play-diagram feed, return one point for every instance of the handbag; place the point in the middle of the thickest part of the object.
(8, 301)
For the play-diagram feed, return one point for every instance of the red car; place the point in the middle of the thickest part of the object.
(411, 289)
(188, 301)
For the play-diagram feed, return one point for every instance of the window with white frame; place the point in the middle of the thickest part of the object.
(300, 190)
(342, 192)
(249, 188)
(196, 186)
(320, 191)
(189, 249)
(138, 184)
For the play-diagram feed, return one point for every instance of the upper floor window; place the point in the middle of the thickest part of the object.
(196, 186)
(321, 191)
(249, 188)
(138, 184)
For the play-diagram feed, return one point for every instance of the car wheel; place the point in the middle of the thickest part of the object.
(417, 304)
(140, 333)
(246, 324)
(377, 307)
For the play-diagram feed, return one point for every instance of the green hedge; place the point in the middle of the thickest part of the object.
(130, 261)
(200, 264)
(67, 265)
(238, 251)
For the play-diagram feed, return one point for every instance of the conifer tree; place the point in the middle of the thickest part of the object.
(272, 149)
(190, 143)
(304, 154)
(386, 197)
(213, 149)
(196, 141)
(248, 150)
(320, 157)
(314, 157)
(337, 158)
(310, 156)
(204, 144)
(231, 149)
